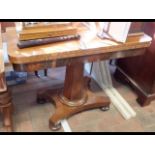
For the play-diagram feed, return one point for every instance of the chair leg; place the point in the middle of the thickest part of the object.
(7, 118)
(37, 74)
(45, 72)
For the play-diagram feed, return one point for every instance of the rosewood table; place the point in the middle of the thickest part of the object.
(75, 96)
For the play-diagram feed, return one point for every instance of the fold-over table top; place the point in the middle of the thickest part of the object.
(88, 45)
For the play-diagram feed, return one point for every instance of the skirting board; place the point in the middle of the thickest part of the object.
(104, 67)
(101, 75)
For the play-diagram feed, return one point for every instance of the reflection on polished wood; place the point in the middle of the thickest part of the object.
(71, 49)
(75, 96)
(2, 79)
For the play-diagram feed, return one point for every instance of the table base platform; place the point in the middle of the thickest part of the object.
(64, 111)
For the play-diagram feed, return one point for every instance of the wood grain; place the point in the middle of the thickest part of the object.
(1, 54)
(74, 54)
(70, 49)
(47, 25)
(5, 96)
(31, 67)
(2, 77)
(40, 33)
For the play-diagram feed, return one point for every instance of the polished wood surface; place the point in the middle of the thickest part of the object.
(139, 71)
(77, 98)
(5, 95)
(6, 110)
(70, 49)
(1, 54)
(76, 95)
(47, 32)
(2, 79)
(31, 67)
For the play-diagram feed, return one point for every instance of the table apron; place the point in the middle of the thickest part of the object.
(30, 67)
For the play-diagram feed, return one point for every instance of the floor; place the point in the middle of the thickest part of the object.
(29, 116)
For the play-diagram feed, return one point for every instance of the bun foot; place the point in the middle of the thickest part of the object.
(54, 127)
(105, 108)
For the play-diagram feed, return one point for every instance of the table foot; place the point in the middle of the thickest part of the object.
(63, 111)
(54, 127)
(105, 108)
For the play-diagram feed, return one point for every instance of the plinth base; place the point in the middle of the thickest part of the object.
(64, 111)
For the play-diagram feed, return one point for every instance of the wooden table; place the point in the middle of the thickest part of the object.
(76, 96)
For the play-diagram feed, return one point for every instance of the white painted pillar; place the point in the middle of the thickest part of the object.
(101, 74)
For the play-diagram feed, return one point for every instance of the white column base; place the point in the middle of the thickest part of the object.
(65, 126)
(102, 76)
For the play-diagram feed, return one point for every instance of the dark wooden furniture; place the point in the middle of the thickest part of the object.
(5, 95)
(139, 72)
(75, 96)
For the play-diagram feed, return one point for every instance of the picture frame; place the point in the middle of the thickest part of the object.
(117, 31)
